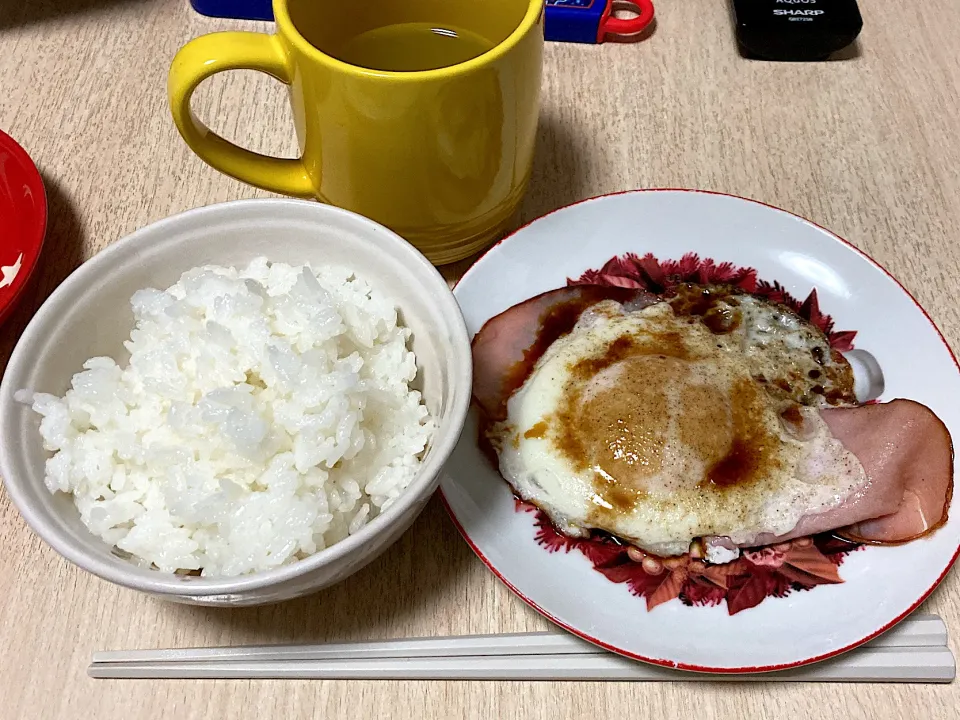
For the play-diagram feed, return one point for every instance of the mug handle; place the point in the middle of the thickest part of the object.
(210, 54)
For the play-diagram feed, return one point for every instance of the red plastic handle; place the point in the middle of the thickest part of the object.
(625, 27)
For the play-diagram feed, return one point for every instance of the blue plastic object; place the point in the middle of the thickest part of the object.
(579, 21)
(237, 9)
(591, 21)
(573, 20)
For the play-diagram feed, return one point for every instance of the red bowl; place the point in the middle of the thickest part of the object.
(23, 221)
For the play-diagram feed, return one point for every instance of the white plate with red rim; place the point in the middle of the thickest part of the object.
(725, 630)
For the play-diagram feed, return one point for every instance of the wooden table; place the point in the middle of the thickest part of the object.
(868, 146)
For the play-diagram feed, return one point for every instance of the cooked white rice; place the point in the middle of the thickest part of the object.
(264, 415)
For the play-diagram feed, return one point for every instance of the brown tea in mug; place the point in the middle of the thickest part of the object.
(410, 47)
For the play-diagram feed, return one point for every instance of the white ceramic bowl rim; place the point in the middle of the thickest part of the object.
(200, 586)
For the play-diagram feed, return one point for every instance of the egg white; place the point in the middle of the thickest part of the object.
(671, 503)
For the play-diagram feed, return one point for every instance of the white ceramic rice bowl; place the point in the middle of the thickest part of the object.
(89, 315)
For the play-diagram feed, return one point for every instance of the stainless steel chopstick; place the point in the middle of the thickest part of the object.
(915, 631)
(885, 664)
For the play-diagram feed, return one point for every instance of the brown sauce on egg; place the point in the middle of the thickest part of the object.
(792, 415)
(739, 463)
(608, 430)
(619, 431)
(704, 423)
(664, 345)
(558, 321)
(753, 450)
(717, 308)
(840, 376)
(714, 306)
(537, 431)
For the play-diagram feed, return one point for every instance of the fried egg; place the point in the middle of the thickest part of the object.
(679, 421)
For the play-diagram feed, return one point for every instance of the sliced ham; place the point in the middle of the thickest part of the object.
(509, 344)
(907, 453)
(903, 446)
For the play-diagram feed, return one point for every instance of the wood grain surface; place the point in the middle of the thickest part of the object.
(868, 146)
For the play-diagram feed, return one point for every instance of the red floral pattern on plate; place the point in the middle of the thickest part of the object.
(773, 571)
(658, 276)
(799, 564)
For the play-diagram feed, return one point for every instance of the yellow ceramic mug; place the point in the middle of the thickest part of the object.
(440, 155)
